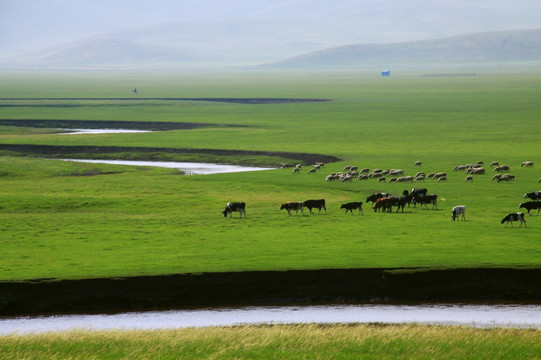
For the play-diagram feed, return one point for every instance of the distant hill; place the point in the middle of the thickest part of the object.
(487, 47)
(217, 43)
(109, 52)
(270, 44)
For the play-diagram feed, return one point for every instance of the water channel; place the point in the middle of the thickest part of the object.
(186, 167)
(517, 316)
(99, 131)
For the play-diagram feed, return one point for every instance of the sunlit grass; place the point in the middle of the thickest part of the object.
(281, 342)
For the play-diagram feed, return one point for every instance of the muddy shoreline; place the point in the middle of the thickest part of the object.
(108, 124)
(300, 287)
(53, 150)
(246, 101)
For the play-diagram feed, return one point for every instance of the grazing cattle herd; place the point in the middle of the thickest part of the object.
(383, 202)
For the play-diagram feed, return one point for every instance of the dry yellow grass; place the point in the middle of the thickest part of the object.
(373, 341)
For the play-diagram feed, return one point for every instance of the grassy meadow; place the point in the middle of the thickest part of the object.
(371, 341)
(74, 220)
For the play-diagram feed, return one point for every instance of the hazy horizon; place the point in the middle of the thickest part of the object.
(256, 30)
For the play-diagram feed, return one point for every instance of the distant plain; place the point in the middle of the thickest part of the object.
(74, 220)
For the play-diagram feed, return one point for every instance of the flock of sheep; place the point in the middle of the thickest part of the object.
(386, 202)
(351, 172)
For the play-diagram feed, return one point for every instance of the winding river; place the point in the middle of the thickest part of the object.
(186, 167)
(517, 316)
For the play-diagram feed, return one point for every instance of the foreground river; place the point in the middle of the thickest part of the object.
(519, 316)
(188, 168)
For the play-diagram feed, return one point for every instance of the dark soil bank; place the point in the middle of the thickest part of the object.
(269, 288)
(52, 150)
(105, 124)
(248, 101)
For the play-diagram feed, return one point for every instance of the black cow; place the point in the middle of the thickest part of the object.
(509, 218)
(235, 206)
(292, 205)
(353, 205)
(374, 197)
(427, 199)
(409, 197)
(531, 205)
(317, 204)
(536, 195)
(398, 201)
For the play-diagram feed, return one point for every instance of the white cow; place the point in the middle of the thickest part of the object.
(459, 210)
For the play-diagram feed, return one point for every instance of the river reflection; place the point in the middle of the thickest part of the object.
(99, 131)
(187, 168)
(519, 316)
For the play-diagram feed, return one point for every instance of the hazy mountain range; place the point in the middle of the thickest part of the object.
(489, 47)
(498, 47)
(282, 33)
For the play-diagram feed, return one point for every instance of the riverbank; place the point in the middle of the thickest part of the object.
(378, 285)
(138, 153)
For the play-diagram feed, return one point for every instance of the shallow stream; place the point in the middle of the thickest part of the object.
(186, 167)
(99, 131)
(518, 316)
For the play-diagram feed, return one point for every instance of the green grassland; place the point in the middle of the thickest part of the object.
(372, 341)
(73, 220)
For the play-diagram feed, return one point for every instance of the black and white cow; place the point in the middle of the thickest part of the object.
(531, 205)
(317, 204)
(536, 195)
(352, 206)
(458, 210)
(509, 218)
(233, 207)
(292, 205)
